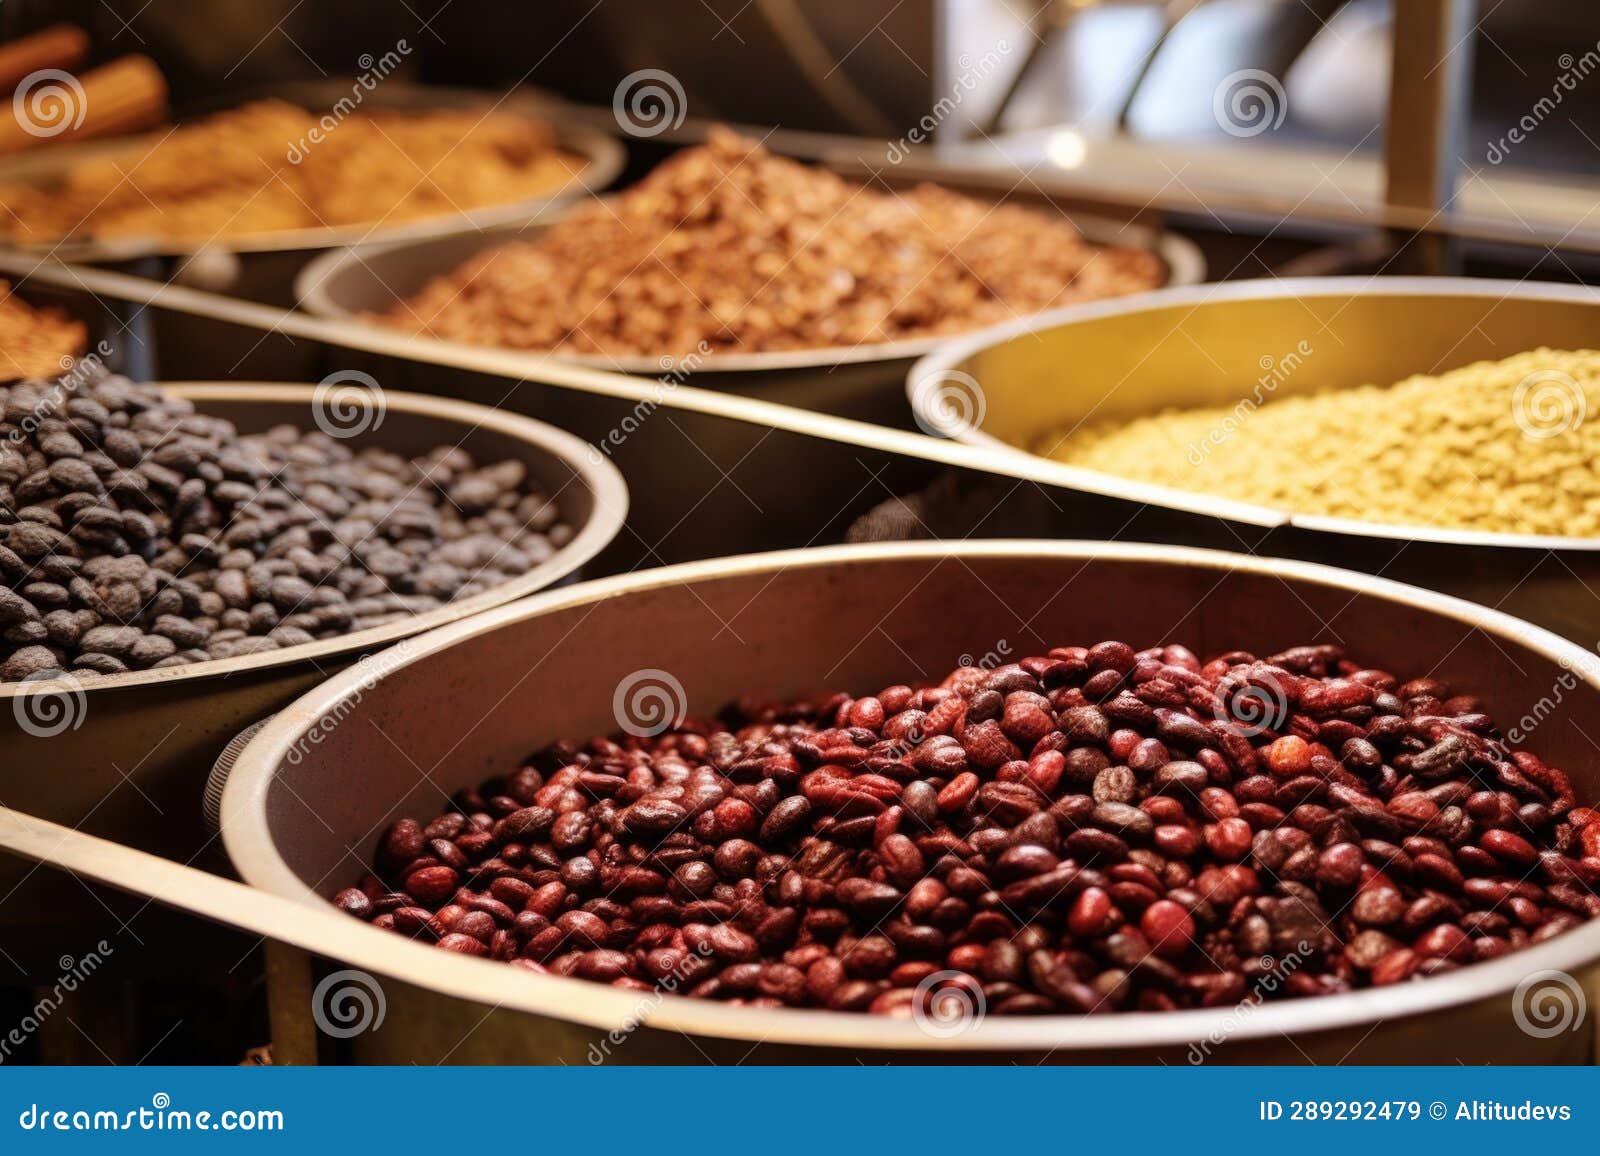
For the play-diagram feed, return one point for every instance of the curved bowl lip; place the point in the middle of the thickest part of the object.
(951, 354)
(603, 479)
(1183, 259)
(248, 840)
(603, 154)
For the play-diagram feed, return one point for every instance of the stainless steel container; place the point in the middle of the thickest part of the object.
(851, 381)
(127, 757)
(300, 817)
(1212, 345)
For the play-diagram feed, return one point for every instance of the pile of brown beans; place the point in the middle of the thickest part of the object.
(1088, 830)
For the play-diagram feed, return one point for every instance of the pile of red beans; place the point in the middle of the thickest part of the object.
(1089, 830)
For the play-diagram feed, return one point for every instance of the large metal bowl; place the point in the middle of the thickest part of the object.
(846, 380)
(603, 156)
(301, 818)
(1210, 345)
(127, 757)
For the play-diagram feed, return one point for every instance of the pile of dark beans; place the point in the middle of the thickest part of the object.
(1089, 830)
(136, 533)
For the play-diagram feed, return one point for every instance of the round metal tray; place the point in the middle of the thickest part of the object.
(345, 285)
(1208, 346)
(605, 157)
(126, 757)
(475, 697)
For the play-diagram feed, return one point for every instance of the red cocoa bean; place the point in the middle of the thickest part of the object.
(1085, 830)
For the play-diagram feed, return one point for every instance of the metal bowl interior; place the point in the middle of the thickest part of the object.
(1215, 345)
(603, 155)
(128, 755)
(345, 285)
(306, 801)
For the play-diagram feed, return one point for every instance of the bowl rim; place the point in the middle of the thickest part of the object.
(607, 489)
(949, 356)
(247, 838)
(604, 157)
(1185, 265)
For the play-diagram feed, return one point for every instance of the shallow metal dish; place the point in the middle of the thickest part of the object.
(301, 819)
(604, 156)
(345, 285)
(127, 757)
(1208, 345)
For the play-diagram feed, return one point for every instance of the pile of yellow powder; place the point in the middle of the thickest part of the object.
(1510, 446)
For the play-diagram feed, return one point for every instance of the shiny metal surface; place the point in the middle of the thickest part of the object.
(1209, 345)
(477, 696)
(127, 757)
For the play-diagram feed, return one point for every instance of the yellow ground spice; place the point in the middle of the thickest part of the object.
(1510, 446)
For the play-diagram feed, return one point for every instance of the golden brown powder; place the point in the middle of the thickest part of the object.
(232, 174)
(36, 342)
(729, 247)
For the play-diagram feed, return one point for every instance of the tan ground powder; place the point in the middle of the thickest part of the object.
(36, 341)
(256, 169)
(1508, 446)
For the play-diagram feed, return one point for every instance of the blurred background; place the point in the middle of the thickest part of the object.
(1122, 95)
